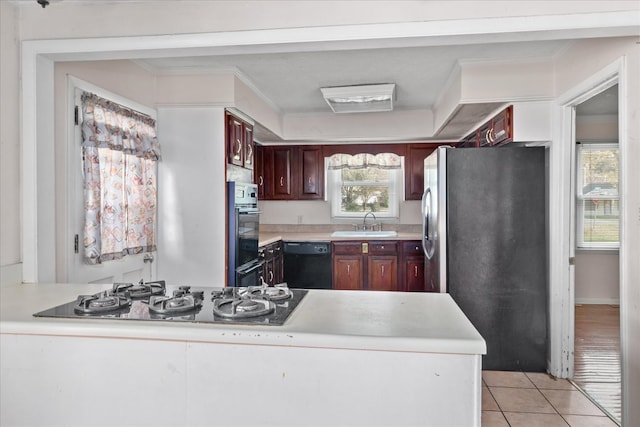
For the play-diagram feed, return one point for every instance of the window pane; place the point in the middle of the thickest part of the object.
(598, 202)
(599, 172)
(364, 198)
(601, 222)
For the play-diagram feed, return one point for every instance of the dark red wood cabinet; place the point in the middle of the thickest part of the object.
(496, 131)
(289, 173)
(414, 169)
(310, 174)
(273, 256)
(412, 268)
(235, 138)
(239, 141)
(347, 266)
(278, 173)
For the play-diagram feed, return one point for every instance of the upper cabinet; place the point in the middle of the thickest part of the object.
(289, 173)
(414, 169)
(496, 131)
(239, 141)
(297, 172)
(278, 173)
(311, 173)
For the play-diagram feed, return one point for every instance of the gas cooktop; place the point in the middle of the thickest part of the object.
(264, 305)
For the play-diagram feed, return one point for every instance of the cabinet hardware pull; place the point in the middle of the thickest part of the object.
(309, 180)
(271, 276)
(383, 271)
(348, 270)
(239, 145)
(415, 271)
(261, 180)
(281, 181)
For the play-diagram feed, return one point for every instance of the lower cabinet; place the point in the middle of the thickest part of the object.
(273, 257)
(348, 272)
(369, 265)
(413, 266)
(379, 265)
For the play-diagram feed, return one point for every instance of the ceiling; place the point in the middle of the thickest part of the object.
(292, 81)
(289, 79)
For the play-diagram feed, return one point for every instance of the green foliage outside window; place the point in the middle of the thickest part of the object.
(365, 190)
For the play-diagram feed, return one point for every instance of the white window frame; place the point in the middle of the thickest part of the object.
(334, 195)
(580, 198)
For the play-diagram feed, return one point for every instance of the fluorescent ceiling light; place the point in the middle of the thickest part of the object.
(360, 98)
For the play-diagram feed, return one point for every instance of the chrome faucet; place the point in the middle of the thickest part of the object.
(364, 221)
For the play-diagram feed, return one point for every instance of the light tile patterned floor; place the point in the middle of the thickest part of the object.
(514, 399)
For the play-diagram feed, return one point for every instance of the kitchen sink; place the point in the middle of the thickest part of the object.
(364, 234)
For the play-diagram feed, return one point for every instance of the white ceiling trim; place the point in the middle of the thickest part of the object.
(431, 33)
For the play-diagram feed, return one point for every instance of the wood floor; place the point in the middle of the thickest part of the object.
(597, 355)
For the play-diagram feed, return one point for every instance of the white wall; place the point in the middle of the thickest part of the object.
(597, 277)
(191, 195)
(10, 245)
(319, 212)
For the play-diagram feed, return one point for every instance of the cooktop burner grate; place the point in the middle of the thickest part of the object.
(140, 290)
(100, 303)
(182, 301)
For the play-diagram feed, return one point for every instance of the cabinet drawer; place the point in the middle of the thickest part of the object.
(413, 247)
(347, 248)
(383, 247)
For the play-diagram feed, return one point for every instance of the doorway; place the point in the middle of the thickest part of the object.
(597, 357)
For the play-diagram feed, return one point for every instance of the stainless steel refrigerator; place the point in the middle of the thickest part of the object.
(485, 241)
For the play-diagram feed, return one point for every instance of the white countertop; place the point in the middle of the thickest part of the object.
(270, 237)
(367, 320)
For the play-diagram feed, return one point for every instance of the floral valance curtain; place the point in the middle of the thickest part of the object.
(119, 152)
(106, 124)
(364, 160)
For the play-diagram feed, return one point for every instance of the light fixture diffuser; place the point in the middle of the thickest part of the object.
(360, 98)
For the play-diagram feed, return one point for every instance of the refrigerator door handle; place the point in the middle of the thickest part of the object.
(427, 243)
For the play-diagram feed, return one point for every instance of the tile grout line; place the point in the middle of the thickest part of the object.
(605, 413)
(545, 397)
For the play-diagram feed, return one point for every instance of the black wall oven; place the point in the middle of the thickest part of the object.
(245, 267)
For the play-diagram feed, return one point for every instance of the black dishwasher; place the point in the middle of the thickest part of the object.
(307, 265)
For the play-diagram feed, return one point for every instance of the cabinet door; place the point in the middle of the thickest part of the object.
(413, 264)
(311, 170)
(414, 274)
(502, 127)
(258, 170)
(234, 141)
(414, 170)
(382, 273)
(282, 159)
(248, 149)
(347, 272)
(268, 271)
(278, 263)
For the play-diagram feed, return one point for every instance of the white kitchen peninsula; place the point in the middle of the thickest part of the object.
(342, 358)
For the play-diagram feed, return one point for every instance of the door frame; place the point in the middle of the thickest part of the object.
(562, 221)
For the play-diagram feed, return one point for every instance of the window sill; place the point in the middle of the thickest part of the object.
(609, 251)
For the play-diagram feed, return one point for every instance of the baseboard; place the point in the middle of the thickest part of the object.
(10, 274)
(587, 301)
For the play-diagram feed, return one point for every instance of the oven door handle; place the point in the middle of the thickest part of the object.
(249, 212)
(251, 268)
